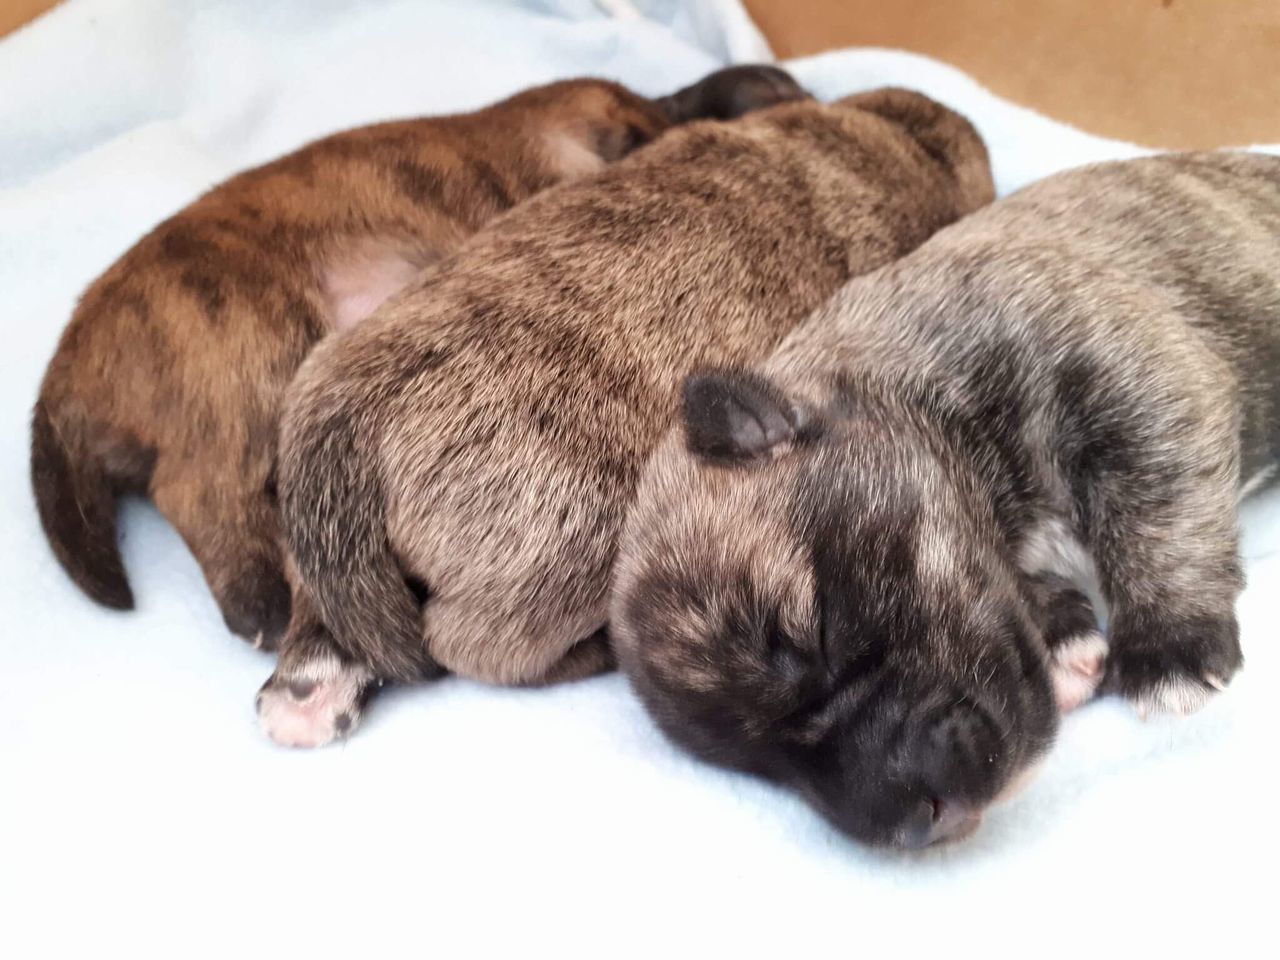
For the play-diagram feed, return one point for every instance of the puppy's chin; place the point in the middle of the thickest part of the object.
(1019, 782)
(946, 823)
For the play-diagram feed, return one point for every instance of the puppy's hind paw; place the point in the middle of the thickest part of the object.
(1077, 667)
(312, 706)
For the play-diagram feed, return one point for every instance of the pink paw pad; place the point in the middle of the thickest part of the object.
(300, 712)
(1077, 668)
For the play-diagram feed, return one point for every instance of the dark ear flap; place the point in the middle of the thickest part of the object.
(735, 416)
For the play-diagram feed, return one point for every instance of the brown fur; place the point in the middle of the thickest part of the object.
(169, 378)
(482, 435)
(875, 601)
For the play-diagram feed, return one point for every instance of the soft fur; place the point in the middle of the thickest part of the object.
(454, 473)
(864, 571)
(169, 378)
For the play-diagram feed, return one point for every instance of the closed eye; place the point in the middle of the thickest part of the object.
(775, 642)
(824, 635)
(790, 661)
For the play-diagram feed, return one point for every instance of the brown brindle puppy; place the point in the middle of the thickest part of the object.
(454, 472)
(169, 378)
(864, 571)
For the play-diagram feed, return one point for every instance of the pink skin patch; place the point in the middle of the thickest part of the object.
(570, 156)
(305, 712)
(1076, 668)
(361, 278)
(952, 823)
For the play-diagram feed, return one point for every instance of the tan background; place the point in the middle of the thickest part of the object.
(14, 13)
(1168, 73)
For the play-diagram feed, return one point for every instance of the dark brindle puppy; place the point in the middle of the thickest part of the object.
(481, 436)
(856, 571)
(169, 379)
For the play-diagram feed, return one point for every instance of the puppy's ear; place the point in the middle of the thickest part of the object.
(734, 416)
(947, 137)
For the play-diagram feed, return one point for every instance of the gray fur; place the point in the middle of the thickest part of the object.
(1095, 355)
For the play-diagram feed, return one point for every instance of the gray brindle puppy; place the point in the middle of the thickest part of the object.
(862, 571)
(455, 471)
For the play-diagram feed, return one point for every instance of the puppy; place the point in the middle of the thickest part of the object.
(454, 472)
(863, 571)
(169, 378)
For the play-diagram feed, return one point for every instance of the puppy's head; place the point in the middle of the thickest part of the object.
(611, 121)
(808, 595)
(729, 93)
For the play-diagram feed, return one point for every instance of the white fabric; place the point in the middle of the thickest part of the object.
(141, 809)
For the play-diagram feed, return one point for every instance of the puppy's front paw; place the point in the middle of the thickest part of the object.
(1077, 667)
(1174, 667)
(311, 708)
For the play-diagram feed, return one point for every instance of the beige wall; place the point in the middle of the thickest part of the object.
(1171, 73)
(14, 13)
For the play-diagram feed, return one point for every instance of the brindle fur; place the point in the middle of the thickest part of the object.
(169, 378)
(864, 601)
(483, 434)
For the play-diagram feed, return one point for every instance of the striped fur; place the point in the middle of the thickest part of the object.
(867, 604)
(169, 378)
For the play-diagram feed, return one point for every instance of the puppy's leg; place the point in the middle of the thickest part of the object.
(588, 657)
(317, 694)
(233, 530)
(541, 625)
(1165, 537)
(1077, 649)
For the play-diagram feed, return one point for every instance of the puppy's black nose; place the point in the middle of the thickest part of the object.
(955, 759)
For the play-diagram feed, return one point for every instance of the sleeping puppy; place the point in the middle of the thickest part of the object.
(864, 570)
(454, 472)
(169, 378)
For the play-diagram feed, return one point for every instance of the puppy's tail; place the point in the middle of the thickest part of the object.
(76, 500)
(333, 507)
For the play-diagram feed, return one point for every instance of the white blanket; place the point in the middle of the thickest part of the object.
(142, 810)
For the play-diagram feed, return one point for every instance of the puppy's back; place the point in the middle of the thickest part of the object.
(500, 411)
(1097, 274)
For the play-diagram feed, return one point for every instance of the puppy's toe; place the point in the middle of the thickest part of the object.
(1177, 695)
(298, 710)
(1077, 668)
(1175, 671)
